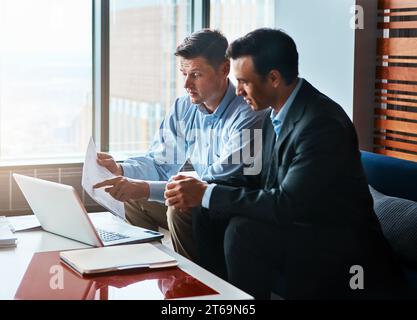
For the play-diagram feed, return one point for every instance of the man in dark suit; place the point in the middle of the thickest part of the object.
(309, 215)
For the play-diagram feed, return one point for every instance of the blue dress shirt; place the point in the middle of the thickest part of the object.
(277, 119)
(190, 132)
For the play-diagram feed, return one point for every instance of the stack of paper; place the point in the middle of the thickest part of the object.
(93, 174)
(20, 223)
(7, 238)
(106, 259)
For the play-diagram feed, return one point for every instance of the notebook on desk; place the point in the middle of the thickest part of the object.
(108, 259)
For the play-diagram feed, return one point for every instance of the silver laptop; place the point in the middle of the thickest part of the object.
(60, 211)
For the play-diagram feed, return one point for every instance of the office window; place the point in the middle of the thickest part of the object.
(235, 18)
(45, 79)
(144, 73)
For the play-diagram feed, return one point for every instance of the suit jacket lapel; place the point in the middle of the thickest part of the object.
(269, 136)
(269, 146)
(294, 115)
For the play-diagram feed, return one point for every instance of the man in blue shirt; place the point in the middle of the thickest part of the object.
(206, 127)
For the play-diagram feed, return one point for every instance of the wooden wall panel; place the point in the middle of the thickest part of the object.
(395, 122)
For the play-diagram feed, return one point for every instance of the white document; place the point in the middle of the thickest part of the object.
(192, 174)
(21, 223)
(105, 259)
(93, 173)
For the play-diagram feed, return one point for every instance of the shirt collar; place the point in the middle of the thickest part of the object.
(227, 99)
(280, 115)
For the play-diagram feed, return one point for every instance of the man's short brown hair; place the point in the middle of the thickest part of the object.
(206, 43)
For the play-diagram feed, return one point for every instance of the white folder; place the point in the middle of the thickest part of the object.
(107, 259)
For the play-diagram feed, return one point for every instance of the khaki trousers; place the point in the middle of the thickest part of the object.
(151, 215)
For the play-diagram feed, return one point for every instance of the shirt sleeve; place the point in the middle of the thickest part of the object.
(244, 140)
(163, 159)
(156, 190)
(205, 202)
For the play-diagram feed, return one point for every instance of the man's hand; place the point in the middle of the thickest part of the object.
(107, 161)
(184, 192)
(124, 189)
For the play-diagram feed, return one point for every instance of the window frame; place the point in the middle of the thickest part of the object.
(200, 18)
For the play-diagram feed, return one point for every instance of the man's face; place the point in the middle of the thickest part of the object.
(203, 82)
(258, 92)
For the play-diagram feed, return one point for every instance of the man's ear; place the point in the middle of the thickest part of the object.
(225, 68)
(275, 78)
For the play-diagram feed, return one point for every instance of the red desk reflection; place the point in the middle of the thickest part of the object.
(46, 278)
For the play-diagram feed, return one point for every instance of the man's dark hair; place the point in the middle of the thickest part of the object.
(270, 50)
(206, 43)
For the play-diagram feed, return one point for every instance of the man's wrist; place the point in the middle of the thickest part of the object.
(205, 202)
(204, 186)
(146, 190)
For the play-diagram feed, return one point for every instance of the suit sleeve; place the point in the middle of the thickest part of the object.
(321, 149)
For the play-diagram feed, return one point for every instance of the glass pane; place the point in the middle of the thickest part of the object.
(45, 79)
(235, 18)
(144, 73)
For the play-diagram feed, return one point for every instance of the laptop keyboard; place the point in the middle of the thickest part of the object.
(107, 236)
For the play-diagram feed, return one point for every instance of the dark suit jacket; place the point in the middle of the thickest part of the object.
(313, 187)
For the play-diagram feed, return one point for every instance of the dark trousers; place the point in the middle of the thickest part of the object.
(244, 252)
(251, 254)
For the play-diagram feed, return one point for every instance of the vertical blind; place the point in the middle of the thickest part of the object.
(396, 80)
